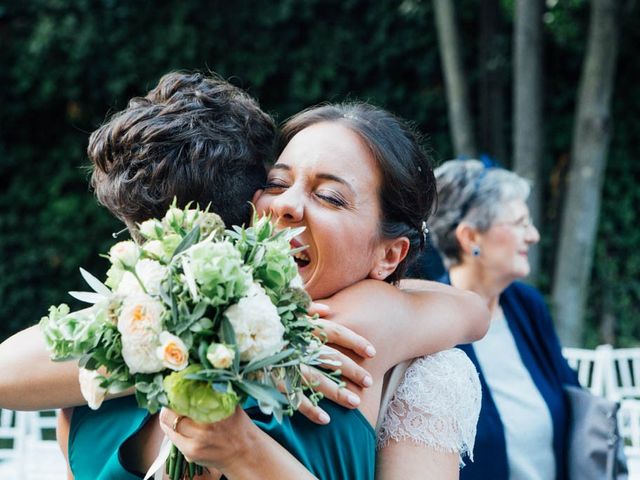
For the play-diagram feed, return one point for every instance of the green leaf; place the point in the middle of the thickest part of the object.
(267, 361)
(202, 354)
(261, 392)
(198, 311)
(229, 337)
(228, 334)
(215, 375)
(189, 240)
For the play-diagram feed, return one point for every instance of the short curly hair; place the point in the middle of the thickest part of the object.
(193, 137)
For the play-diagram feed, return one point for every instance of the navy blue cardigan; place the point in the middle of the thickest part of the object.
(536, 340)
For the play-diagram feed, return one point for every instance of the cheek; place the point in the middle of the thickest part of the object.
(505, 241)
(501, 249)
(262, 203)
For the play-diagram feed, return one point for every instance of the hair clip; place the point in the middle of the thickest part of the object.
(424, 231)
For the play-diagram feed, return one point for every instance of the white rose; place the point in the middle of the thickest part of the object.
(124, 254)
(90, 387)
(140, 323)
(151, 229)
(256, 323)
(150, 272)
(172, 352)
(220, 355)
(129, 284)
(154, 248)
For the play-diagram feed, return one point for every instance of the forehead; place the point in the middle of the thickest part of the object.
(513, 209)
(330, 147)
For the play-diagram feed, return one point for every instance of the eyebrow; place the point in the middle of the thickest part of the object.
(323, 176)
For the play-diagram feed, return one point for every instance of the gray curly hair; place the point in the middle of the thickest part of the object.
(471, 193)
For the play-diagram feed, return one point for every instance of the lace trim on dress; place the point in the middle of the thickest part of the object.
(437, 404)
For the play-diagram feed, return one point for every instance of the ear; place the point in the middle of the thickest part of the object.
(392, 252)
(468, 237)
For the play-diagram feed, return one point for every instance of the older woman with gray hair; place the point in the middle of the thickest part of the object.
(483, 231)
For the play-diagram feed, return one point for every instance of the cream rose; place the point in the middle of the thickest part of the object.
(220, 355)
(172, 352)
(90, 387)
(140, 323)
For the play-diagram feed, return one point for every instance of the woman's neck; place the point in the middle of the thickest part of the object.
(478, 281)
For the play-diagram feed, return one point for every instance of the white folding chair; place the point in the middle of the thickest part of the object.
(591, 366)
(28, 448)
(629, 429)
(13, 437)
(43, 459)
(624, 377)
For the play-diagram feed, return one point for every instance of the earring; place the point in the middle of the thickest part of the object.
(379, 273)
(475, 251)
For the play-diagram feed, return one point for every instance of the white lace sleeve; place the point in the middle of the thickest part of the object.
(437, 404)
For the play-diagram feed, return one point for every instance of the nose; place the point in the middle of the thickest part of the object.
(288, 207)
(532, 234)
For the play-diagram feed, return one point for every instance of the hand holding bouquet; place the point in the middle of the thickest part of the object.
(196, 318)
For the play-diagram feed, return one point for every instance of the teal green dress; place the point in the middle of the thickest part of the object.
(343, 449)
(95, 438)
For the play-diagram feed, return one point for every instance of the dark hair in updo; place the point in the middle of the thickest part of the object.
(408, 189)
(193, 137)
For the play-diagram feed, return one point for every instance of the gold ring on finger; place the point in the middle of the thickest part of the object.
(177, 420)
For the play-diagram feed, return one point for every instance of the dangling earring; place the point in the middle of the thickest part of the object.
(475, 251)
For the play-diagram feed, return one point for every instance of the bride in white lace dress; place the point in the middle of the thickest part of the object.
(432, 414)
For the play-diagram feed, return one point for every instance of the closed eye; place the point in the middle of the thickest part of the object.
(334, 200)
(274, 187)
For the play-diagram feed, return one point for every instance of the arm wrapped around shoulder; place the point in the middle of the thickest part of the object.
(437, 404)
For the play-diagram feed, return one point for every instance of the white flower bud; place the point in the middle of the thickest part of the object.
(220, 355)
(190, 217)
(90, 387)
(151, 229)
(174, 216)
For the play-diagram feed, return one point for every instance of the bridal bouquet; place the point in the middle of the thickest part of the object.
(197, 318)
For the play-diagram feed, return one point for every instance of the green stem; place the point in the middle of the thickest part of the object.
(172, 462)
(179, 466)
(133, 271)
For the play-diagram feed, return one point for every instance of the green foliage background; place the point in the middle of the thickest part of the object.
(66, 64)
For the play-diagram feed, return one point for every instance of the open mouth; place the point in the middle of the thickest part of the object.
(301, 259)
(300, 256)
